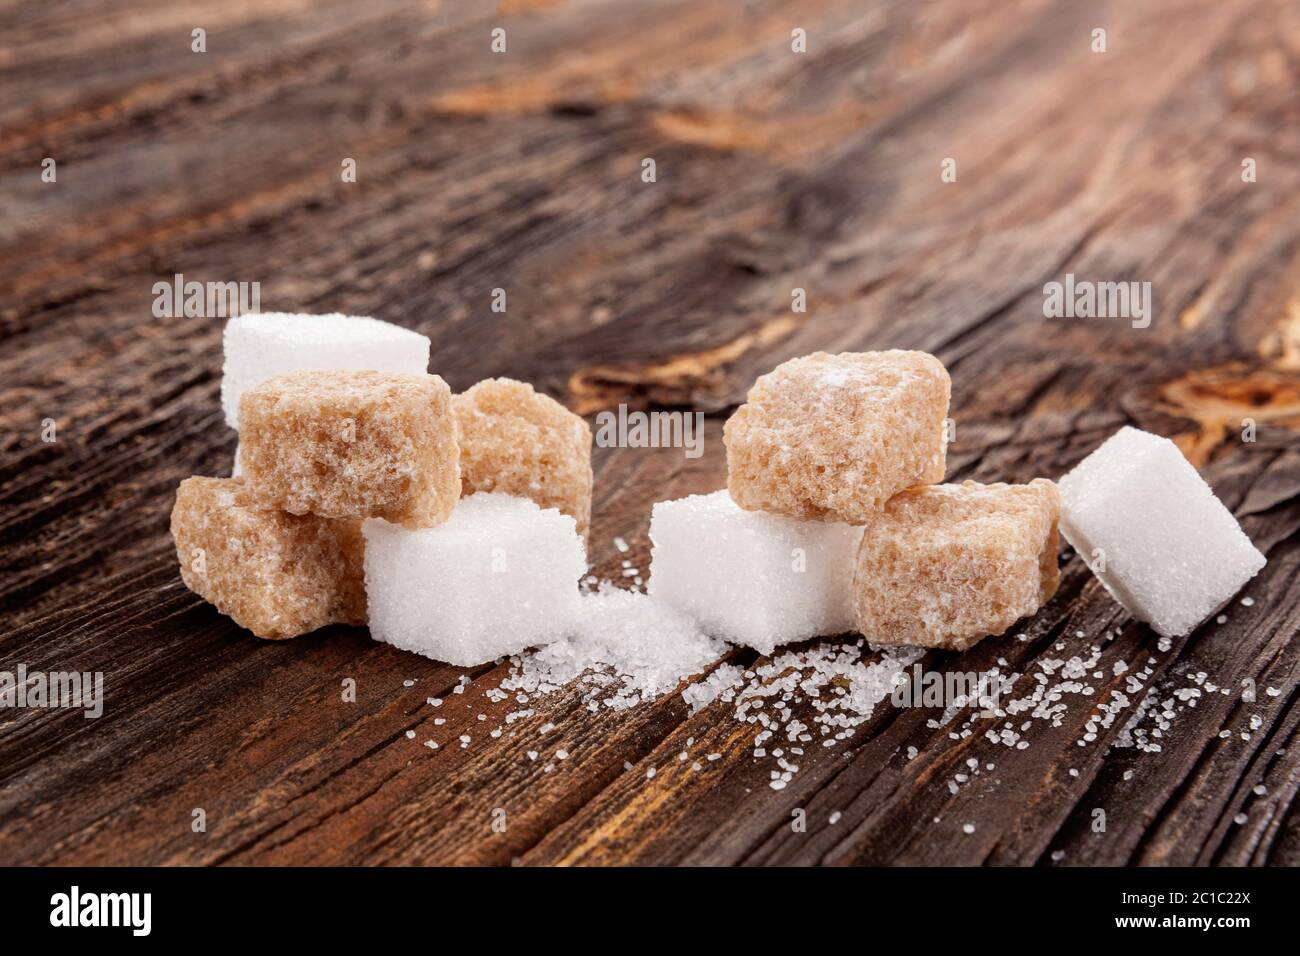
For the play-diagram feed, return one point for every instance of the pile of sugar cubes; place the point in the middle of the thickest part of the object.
(365, 492)
(835, 519)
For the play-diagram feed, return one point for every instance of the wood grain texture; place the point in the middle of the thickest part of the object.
(522, 171)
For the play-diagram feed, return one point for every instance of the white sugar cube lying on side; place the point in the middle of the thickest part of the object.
(499, 576)
(263, 346)
(750, 577)
(1154, 533)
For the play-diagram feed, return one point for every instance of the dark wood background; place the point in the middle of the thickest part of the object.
(522, 171)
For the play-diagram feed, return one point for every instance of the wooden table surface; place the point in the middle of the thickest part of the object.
(522, 171)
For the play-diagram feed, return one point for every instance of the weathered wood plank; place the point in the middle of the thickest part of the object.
(521, 171)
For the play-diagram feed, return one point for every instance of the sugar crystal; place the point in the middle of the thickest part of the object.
(629, 648)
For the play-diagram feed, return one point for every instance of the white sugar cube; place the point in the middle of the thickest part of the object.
(751, 577)
(1154, 533)
(263, 346)
(499, 576)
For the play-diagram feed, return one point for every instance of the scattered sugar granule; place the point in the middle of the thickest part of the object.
(431, 744)
(968, 828)
(1248, 602)
(410, 735)
(623, 647)
(833, 680)
(1260, 790)
(1240, 819)
(834, 818)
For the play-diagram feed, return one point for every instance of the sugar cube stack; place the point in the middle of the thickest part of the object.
(277, 574)
(344, 437)
(258, 347)
(1154, 532)
(516, 441)
(833, 437)
(455, 525)
(946, 565)
(500, 575)
(752, 578)
(352, 444)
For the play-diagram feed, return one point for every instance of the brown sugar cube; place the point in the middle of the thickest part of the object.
(833, 437)
(946, 565)
(277, 574)
(518, 442)
(352, 444)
